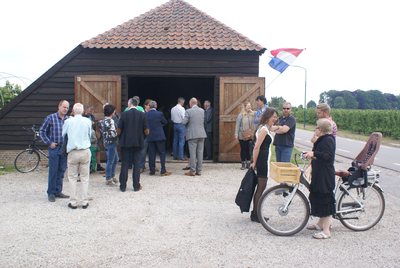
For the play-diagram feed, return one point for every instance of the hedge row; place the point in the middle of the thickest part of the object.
(358, 121)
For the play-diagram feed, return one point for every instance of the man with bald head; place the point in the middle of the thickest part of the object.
(79, 130)
(51, 134)
(195, 135)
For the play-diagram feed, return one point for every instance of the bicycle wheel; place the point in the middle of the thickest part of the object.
(366, 218)
(279, 222)
(26, 161)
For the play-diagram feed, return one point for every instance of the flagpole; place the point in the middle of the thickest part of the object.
(273, 80)
(305, 92)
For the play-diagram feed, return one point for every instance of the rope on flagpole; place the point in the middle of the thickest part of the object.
(273, 80)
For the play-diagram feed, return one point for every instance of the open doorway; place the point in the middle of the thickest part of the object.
(166, 91)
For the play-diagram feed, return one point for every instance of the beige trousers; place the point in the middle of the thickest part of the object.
(78, 163)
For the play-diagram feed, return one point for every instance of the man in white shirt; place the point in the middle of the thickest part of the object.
(177, 115)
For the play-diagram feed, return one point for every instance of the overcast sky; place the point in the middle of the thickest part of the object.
(350, 44)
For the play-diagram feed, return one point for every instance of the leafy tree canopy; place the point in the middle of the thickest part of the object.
(276, 102)
(8, 93)
(311, 104)
(359, 99)
(339, 103)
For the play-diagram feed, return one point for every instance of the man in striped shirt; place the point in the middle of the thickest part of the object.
(51, 134)
(323, 110)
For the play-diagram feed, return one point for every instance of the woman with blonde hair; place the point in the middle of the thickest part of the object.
(244, 121)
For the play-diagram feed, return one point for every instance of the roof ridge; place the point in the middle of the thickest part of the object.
(174, 25)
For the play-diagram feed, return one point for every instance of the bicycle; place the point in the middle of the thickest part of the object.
(28, 160)
(284, 210)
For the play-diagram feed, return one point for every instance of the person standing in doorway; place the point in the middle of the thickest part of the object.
(208, 123)
(177, 115)
(156, 138)
(51, 134)
(195, 135)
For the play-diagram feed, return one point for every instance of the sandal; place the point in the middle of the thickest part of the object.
(313, 227)
(321, 235)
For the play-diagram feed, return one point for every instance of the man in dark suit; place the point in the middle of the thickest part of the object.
(208, 124)
(132, 129)
(156, 138)
(195, 135)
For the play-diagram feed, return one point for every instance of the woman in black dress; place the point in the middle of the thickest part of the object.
(261, 155)
(322, 185)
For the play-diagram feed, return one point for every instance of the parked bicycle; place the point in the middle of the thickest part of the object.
(28, 160)
(284, 210)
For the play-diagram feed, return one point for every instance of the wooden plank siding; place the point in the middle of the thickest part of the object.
(42, 97)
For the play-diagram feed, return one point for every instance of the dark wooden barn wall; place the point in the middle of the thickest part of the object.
(59, 85)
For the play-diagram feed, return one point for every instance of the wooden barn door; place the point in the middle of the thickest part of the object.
(97, 90)
(234, 91)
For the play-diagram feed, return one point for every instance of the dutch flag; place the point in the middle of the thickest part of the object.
(283, 57)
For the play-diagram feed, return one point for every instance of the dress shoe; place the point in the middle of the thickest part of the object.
(151, 174)
(52, 198)
(166, 173)
(122, 190)
(141, 170)
(140, 188)
(182, 159)
(156, 169)
(102, 172)
(190, 174)
(175, 158)
(129, 167)
(198, 173)
(85, 206)
(207, 158)
(186, 168)
(71, 206)
(61, 195)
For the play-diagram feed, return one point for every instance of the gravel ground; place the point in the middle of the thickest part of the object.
(175, 221)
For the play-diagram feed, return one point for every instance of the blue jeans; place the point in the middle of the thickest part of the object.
(283, 153)
(179, 142)
(143, 155)
(112, 160)
(57, 167)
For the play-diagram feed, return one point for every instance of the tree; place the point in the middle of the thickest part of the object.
(351, 101)
(311, 104)
(8, 93)
(276, 102)
(339, 103)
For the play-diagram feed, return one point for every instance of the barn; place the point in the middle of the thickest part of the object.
(174, 50)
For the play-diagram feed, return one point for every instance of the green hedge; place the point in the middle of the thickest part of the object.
(358, 121)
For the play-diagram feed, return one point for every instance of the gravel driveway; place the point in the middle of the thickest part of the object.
(175, 221)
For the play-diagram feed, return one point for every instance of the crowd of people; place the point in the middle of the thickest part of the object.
(136, 131)
(140, 130)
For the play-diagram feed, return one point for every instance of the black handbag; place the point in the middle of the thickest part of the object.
(246, 191)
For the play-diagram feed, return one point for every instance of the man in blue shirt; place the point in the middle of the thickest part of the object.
(79, 130)
(51, 134)
(262, 105)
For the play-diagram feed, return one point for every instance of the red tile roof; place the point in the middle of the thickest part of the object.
(174, 25)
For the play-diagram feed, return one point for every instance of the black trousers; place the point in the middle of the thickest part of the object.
(208, 145)
(125, 158)
(244, 150)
